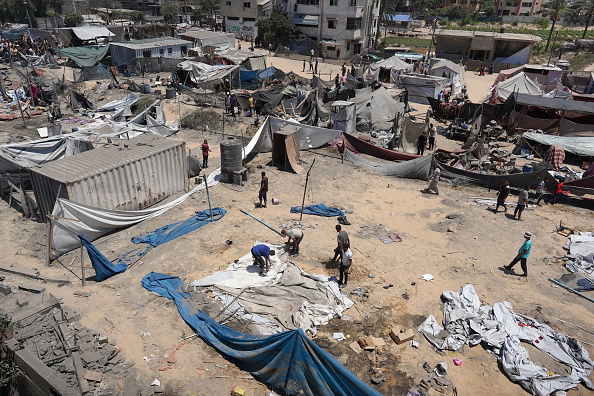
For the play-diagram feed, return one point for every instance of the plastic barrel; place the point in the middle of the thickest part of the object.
(527, 168)
(231, 153)
(170, 93)
(145, 88)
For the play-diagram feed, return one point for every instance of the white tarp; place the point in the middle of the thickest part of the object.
(420, 87)
(418, 168)
(202, 73)
(38, 152)
(519, 58)
(498, 328)
(394, 64)
(410, 132)
(453, 72)
(96, 222)
(91, 32)
(286, 299)
(129, 100)
(578, 145)
(581, 253)
(520, 83)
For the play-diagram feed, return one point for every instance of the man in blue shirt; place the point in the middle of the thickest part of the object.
(523, 254)
(261, 255)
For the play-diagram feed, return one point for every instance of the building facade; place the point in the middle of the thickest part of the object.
(240, 16)
(472, 4)
(342, 28)
(529, 8)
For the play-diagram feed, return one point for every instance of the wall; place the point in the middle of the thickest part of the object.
(241, 28)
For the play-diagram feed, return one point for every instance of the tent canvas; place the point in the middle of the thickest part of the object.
(420, 87)
(411, 130)
(418, 168)
(580, 146)
(520, 83)
(376, 110)
(453, 72)
(85, 56)
(394, 64)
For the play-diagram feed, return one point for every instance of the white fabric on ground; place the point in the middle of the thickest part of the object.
(500, 329)
(581, 253)
(418, 168)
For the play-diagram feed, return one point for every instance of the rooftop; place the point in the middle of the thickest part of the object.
(495, 35)
(201, 34)
(151, 43)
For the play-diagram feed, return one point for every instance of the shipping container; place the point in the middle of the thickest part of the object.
(129, 175)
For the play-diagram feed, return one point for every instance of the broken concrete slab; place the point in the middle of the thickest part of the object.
(22, 301)
(28, 272)
(80, 372)
(94, 376)
(5, 289)
(50, 304)
(91, 357)
(32, 287)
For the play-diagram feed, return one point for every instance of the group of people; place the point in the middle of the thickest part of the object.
(524, 194)
(427, 140)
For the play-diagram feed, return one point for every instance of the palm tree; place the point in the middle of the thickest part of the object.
(553, 9)
(584, 9)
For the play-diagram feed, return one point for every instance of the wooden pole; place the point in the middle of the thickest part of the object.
(305, 189)
(208, 194)
(48, 243)
(82, 264)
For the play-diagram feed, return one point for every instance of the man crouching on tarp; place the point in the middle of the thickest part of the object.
(261, 255)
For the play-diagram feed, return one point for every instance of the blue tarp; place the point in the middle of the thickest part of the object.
(396, 18)
(172, 231)
(103, 267)
(318, 210)
(287, 361)
(247, 75)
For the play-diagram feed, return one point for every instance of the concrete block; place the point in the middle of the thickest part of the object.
(91, 357)
(94, 376)
(5, 289)
(22, 301)
(32, 287)
(102, 340)
(80, 372)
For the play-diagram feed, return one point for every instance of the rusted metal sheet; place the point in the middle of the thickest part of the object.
(130, 175)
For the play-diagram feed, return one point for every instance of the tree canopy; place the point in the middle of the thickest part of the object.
(73, 19)
(15, 11)
(584, 10)
(277, 28)
(169, 10)
(554, 10)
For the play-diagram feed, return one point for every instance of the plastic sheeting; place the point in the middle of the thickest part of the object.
(360, 146)
(418, 168)
(85, 56)
(581, 252)
(91, 32)
(570, 128)
(581, 146)
(103, 267)
(376, 110)
(520, 83)
(318, 210)
(394, 64)
(38, 152)
(420, 87)
(342, 114)
(202, 73)
(71, 219)
(287, 361)
(517, 180)
(498, 328)
(411, 130)
(128, 100)
(453, 72)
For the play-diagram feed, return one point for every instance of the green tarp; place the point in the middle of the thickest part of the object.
(85, 56)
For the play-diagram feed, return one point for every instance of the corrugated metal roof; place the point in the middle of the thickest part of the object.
(202, 34)
(495, 35)
(151, 43)
(104, 158)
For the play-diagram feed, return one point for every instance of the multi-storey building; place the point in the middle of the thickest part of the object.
(529, 8)
(240, 16)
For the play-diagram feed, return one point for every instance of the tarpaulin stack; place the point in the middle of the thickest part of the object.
(501, 330)
(287, 361)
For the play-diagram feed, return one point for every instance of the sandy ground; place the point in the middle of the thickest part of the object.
(448, 236)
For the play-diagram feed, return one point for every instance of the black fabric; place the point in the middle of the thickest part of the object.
(554, 103)
(269, 99)
(79, 101)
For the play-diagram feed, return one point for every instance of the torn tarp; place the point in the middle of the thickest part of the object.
(103, 267)
(498, 328)
(418, 168)
(288, 361)
(318, 210)
(581, 253)
(128, 100)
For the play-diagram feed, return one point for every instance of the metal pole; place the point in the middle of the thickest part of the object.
(570, 289)
(48, 243)
(82, 264)
(305, 189)
(208, 194)
(255, 218)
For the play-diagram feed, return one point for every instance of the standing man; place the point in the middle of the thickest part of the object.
(311, 54)
(541, 190)
(205, 150)
(421, 143)
(345, 265)
(523, 254)
(311, 65)
(432, 135)
(295, 236)
(261, 255)
(522, 202)
(342, 239)
(263, 190)
(233, 104)
(502, 195)
(316, 67)
(324, 56)
(303, 65)
(251, 105)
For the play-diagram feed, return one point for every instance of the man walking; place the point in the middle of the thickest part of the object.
(295, 237)
(261, 255)
(502, 195)
(522, 202)
(205, 150)
(523, 254)
(541, 190)
(345, 265)
(341, 239)
(316, 67)
(263, 190)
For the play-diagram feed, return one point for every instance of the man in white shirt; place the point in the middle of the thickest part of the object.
(295, 238)
(432, 135)
(541, 189)
(345, 265)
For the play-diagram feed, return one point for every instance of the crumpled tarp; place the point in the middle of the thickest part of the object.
(501, 330)
(418, 168)
(288, 361)
(128, 100)
(202, 72)
(581, 252)
(85, 56)
(103, 267)
(376, 110)
(318, 210)
(578, 145)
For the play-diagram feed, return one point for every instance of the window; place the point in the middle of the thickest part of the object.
(249, 19)
(228, 3)
(353, 3)
(353, 23)
(146, 54)
(333, 2)
(348, 46)
(247, 4)
(332, 24)
(526, 4)
(170, 50)
(161, 51)
(510, 4)
(233, 18)
(309, 2)
(184, 49)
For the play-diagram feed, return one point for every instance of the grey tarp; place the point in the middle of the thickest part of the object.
(578, 145)
(394, 64)
(517, 180)
(202, 73)
(409, 134)
(38, 152)
(452, 71)
(376, 110)
(343, 116)
(85, 56)
(498, 328)
(554, 103)
(256, 60)
(581, 252)
(128, 100)
(570, 128)
(420, 87)
(418, 168)
(520, 83)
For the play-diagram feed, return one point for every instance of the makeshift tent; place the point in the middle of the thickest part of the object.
(202, 38)
(555, 155)
(343, 117)
(288, 361)
(418, 168)
(518, 84)
(393, 65)
(203, 75)
(85, 56)
(128, 100)
(453, 72)
(570, 128)
(248, 59)
(575, 106)
(376, 110)
(410, 132)
(580, 146)
(420, 87)
(359, 146)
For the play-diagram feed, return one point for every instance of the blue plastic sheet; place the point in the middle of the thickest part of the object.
(172, 231)
(103, 267)
(287, 361)
(318, 210)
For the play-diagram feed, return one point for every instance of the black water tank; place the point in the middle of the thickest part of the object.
(231, 153)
